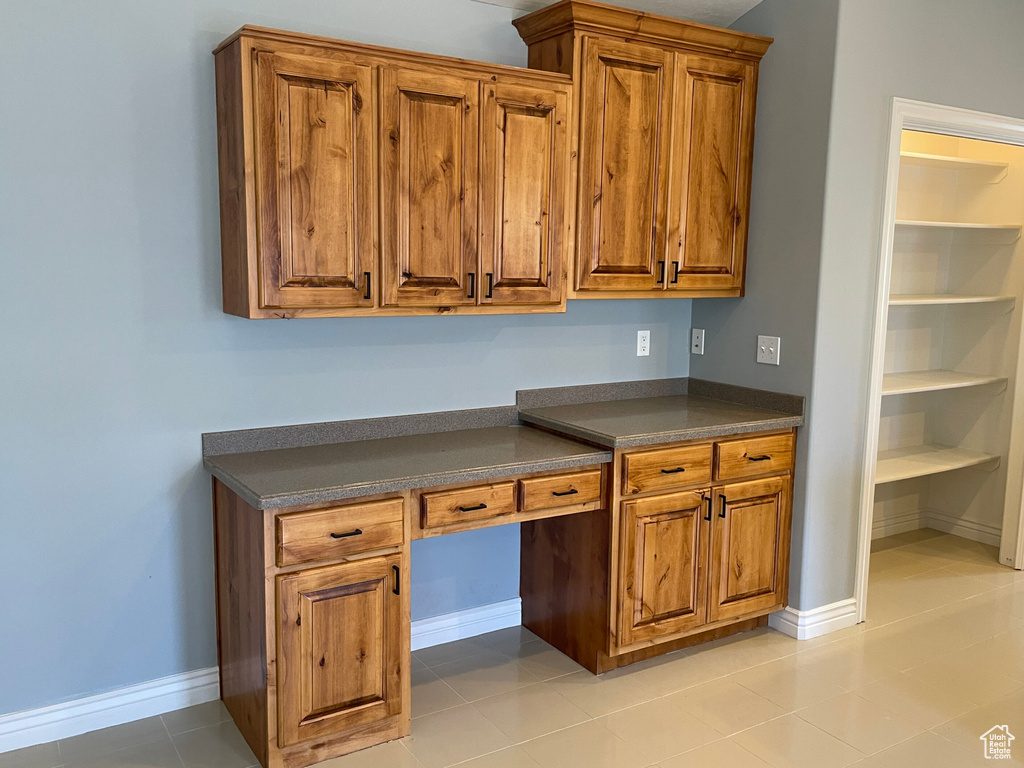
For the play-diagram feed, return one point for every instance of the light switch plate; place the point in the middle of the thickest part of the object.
(768, 350)
(643, 343)
(697, 341)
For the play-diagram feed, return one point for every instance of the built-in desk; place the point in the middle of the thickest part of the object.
(633, 543)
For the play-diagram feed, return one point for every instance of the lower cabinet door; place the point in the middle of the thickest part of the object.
(664, 550)
(339, 659)
(749, 561)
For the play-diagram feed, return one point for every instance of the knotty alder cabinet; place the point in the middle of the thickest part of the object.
(357, 180)
(664, 123)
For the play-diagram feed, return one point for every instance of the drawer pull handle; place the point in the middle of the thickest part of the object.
(366, 295)
(570, 492)
(675, 272)
(675, 471)
(705, 497)
(472, 286)
(766, 457)
(356, 532)
(472, 509)
(722, 513)
(661, 273)
(490, 286)
(398, 581)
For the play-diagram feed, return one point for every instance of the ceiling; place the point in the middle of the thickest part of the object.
(720, 13)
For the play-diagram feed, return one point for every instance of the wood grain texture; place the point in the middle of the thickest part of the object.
(754, 456)
(561, 490)
(479, 502)
(665, 468)
(330, 533)
(662, 566)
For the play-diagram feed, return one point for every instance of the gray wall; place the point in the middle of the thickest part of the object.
(116, 356)
(787, 200)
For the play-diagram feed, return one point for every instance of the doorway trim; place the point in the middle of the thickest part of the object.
(966, 124)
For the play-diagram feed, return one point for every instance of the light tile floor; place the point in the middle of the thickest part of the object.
(939, 662)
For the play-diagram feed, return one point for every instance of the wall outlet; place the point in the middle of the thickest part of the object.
(697, 341)
(643, 343)
(768, 350)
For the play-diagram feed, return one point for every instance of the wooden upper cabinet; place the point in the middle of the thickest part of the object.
(316, 182)
(666, 127)
(624, 109)
(715, 121)
(429, 132)
(524, 178)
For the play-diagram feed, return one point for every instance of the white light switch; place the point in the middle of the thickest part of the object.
(768, 350)
(697, 341)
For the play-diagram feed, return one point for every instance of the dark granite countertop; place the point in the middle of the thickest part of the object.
(268, 479)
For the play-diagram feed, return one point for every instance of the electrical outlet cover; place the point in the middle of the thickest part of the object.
(697, 341)
(643, 343)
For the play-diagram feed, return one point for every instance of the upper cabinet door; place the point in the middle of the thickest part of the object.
(623, 173)
(316, 181)
(429, 135)
(714, 119)
(524, 176)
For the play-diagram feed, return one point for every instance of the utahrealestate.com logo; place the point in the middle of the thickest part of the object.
(997, 742)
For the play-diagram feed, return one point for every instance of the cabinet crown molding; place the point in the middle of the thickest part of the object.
(637, 26)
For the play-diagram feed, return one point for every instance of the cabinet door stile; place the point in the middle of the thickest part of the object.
(524, 147)
(429, 157)
(316, 181)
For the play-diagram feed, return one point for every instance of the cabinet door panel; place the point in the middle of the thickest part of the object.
(429, 150)
(523, 176)
(749, 547)
(623, 166)
(711, 180)
(316, 181)
(339, 661)
(663, 560)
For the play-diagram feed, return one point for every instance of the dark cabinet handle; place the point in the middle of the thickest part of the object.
(490, 286)
(675, 272)
(570, 492)
(759, 458)
(705, 497)
(366, 295)
(675, 471)
(661, 272)
(472, 286)
(722, 512)
(472, 509)
(398, 580)
(356, 532)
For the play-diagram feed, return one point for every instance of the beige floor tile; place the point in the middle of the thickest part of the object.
(430, 693)
(858, 722)
(1005, 649)
(894, 564)
(672, 673)
(726, 706)
(601, 695)
(738, 652)
(146, 731)
(216, 746)
(790, 742)
(543, 661)
(917, 702)
(902, 539)
(448, 652)
(718, 754)
(660, 729)
(789, 684)
(510, 639)
(393, 754)
(485, 674)
(845, 665)
(510, 757)
(529, 712)
(588, 745)
(926, 751)
(966, 729)
(199, 716)
(39, 756)
(976, 677)
(415, 663)
(453, 736)
(160, 754)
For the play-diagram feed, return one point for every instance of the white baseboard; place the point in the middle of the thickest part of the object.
(468, 623)
(803, 625)
(939, 521)
(61, 721)
(900, 523)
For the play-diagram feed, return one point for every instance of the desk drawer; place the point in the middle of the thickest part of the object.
(753, 456)
(466, 504)
(560, 490)
(666, 468)
(325, 533)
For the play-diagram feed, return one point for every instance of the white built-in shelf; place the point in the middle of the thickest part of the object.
(924, 460)
(958, 232)
(929, 299)
(951, 163)
(933, 381)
